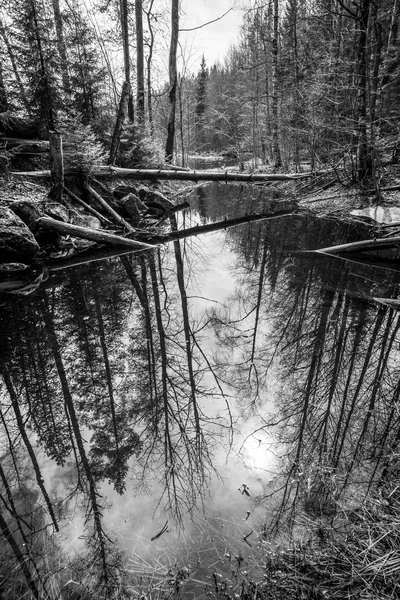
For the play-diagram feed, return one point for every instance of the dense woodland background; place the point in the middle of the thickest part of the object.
(308, 82)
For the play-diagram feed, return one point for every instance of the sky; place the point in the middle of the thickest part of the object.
(213, 40)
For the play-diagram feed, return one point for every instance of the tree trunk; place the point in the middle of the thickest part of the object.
(123, 110)
(101, 237)
(21, 426)
(110, 210)
(62, 51)
(148, 62)
(125, 47)
(86, 206)
(173, 79)
(10, 51)
(21, 559)
(364, 150)
(275, 109)
(95, 508)
(155, 174)
(381, 243)
(140, 110)
(56, 165)
(3, 92)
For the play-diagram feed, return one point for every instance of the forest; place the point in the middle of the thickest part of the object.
(199, 372)
(308, 83)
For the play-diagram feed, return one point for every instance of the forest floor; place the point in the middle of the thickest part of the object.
(333, 195)
(329, 194)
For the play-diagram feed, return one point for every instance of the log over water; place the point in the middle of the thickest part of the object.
(218, 226)
(108, 172)
(154, 174)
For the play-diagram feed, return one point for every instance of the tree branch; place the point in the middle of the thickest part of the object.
(208, 22)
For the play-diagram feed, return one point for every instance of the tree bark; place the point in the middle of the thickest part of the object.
(218, 226)
(148, 63)
(126, 54)
(62, 50)
(173, 80)
(101, 237)
(364, 150)
(140, 110)
(56, 165)
(86, 206)
(275, 108)
(154, 174)
(110, 210)
(119, 123)
(389, 242)
(3, 92)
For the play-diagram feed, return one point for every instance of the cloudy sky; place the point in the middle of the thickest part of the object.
(214, 39)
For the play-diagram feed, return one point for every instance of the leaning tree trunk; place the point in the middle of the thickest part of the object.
(173, 79)
(123, 110)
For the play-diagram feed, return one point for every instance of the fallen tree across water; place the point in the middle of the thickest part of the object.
(108, 172)
(118, 246)
(151, 240)
(218, 226)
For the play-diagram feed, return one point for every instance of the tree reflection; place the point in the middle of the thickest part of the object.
(104, 373)
(107, 378)
(178, 432)
(329, 360)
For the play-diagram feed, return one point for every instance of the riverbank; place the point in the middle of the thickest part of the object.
(37, 231)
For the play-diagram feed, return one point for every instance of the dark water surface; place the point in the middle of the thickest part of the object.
(168, 417)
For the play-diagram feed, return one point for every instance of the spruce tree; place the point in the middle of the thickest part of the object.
(201, 106)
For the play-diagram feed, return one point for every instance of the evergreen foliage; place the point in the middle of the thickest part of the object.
(82, 151)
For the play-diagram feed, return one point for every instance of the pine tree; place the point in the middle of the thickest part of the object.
(34, 28)
(201, 106)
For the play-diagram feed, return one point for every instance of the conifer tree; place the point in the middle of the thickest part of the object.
(201, 106)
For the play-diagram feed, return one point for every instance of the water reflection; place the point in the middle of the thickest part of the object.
(139, 381)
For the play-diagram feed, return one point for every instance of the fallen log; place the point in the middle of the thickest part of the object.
(173, 175)
(95, 235)
(218, 226)
(155, 174)
(89, 208)
(381, 243)
(110, 210)
(22, 146)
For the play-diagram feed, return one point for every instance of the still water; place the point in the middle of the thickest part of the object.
(171, 416)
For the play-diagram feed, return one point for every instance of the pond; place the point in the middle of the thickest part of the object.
(170, 418)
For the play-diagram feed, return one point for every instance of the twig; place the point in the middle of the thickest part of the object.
(160, 533)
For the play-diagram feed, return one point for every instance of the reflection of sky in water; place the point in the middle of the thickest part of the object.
(135, 518)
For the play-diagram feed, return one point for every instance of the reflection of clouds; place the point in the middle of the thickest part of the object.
(227, 515)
